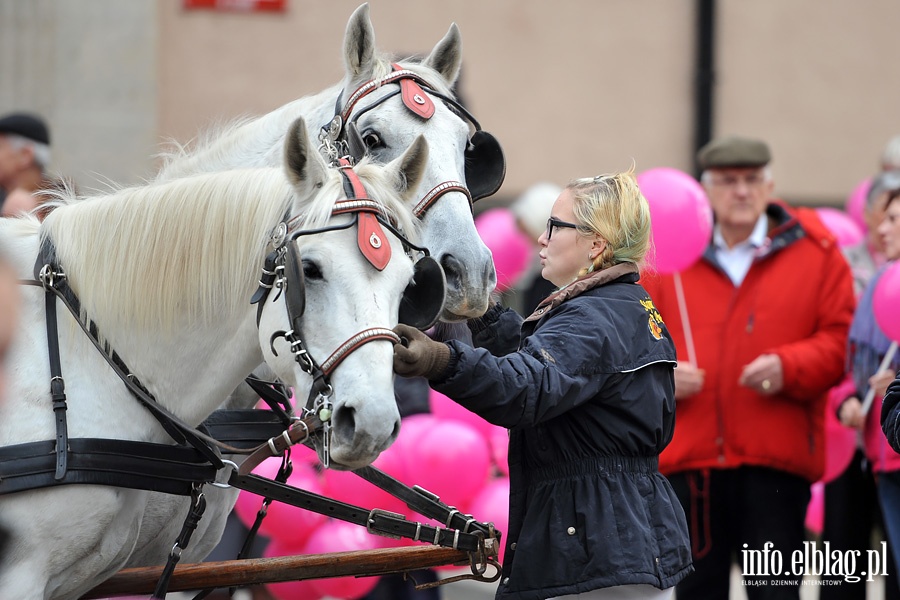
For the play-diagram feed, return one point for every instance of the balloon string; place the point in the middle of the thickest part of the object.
(885, 362)
(682, 308)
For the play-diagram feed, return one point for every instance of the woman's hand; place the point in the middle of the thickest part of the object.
(417, 355)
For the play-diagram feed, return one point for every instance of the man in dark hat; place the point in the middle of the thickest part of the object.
(767, 308)
(24, 156)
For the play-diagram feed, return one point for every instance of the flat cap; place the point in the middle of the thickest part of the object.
(733, 151)
(26, 125)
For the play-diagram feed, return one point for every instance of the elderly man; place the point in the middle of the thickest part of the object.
(24, 156)
(769, 306)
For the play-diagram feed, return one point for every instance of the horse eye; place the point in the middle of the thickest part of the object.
(311, 270)
(372, 140)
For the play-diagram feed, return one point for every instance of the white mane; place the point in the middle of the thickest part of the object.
(259, 140)
(172, 253)
(163, 255)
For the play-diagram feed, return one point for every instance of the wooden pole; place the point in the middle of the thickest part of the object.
(228, 573)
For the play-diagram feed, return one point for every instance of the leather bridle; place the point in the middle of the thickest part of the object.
(284, 271)
(340, 136)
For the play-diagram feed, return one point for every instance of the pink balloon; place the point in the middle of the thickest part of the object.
(842, 225)
(681, 218)
(856, 202)
(815, 510)
(248, 504)
(406, 444)
(340, 536)
(444, 408)
(840, 441)
(348, 487)
(451, 460)
(492, 505)
(510, 247)
(283, 522)
(885, 300)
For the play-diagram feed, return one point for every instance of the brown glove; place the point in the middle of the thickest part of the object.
(417, 355)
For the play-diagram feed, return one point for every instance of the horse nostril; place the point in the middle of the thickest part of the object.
(453, 271)
(344, 421)
(490, 275)
(396, 430)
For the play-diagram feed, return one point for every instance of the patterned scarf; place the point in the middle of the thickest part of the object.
(867, 344)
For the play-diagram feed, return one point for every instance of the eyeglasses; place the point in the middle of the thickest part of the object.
(554, 222)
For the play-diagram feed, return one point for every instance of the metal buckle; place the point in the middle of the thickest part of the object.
(48, 276)
(229, 468)
(384, 513)
(279, 235)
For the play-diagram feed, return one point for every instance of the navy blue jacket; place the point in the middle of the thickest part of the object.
(890, 414)
(586, 387)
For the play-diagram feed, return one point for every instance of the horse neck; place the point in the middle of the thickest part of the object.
(258, 142)
(191, 371)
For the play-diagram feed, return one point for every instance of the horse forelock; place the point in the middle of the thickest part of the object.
(165, 255)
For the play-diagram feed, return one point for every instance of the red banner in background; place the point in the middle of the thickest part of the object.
(238, 5)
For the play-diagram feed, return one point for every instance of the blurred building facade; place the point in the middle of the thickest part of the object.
(571, 88)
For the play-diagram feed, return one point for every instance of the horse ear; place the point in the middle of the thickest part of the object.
(409, 168)
(359, 45)
(304, 168)
(446, 57)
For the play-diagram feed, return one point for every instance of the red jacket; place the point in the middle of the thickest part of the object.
(796, 301)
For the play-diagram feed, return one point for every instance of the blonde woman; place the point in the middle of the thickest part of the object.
(586, 387)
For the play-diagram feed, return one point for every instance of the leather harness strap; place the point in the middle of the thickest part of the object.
(373, 85)
(377, 521)
(57, 383)
(298, 433)
(98, 461)
(52, 279)
(238, 427)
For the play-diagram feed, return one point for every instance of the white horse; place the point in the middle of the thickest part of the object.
(371, 105)
(164, 275)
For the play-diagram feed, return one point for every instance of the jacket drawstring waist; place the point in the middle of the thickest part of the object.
(595, 465)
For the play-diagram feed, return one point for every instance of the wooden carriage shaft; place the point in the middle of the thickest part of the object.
(363, 563)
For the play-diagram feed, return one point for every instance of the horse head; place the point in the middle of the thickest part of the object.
(378, 109)
(384, 106)
(347, 262)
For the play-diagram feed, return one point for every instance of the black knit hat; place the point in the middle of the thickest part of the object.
(26, 125)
